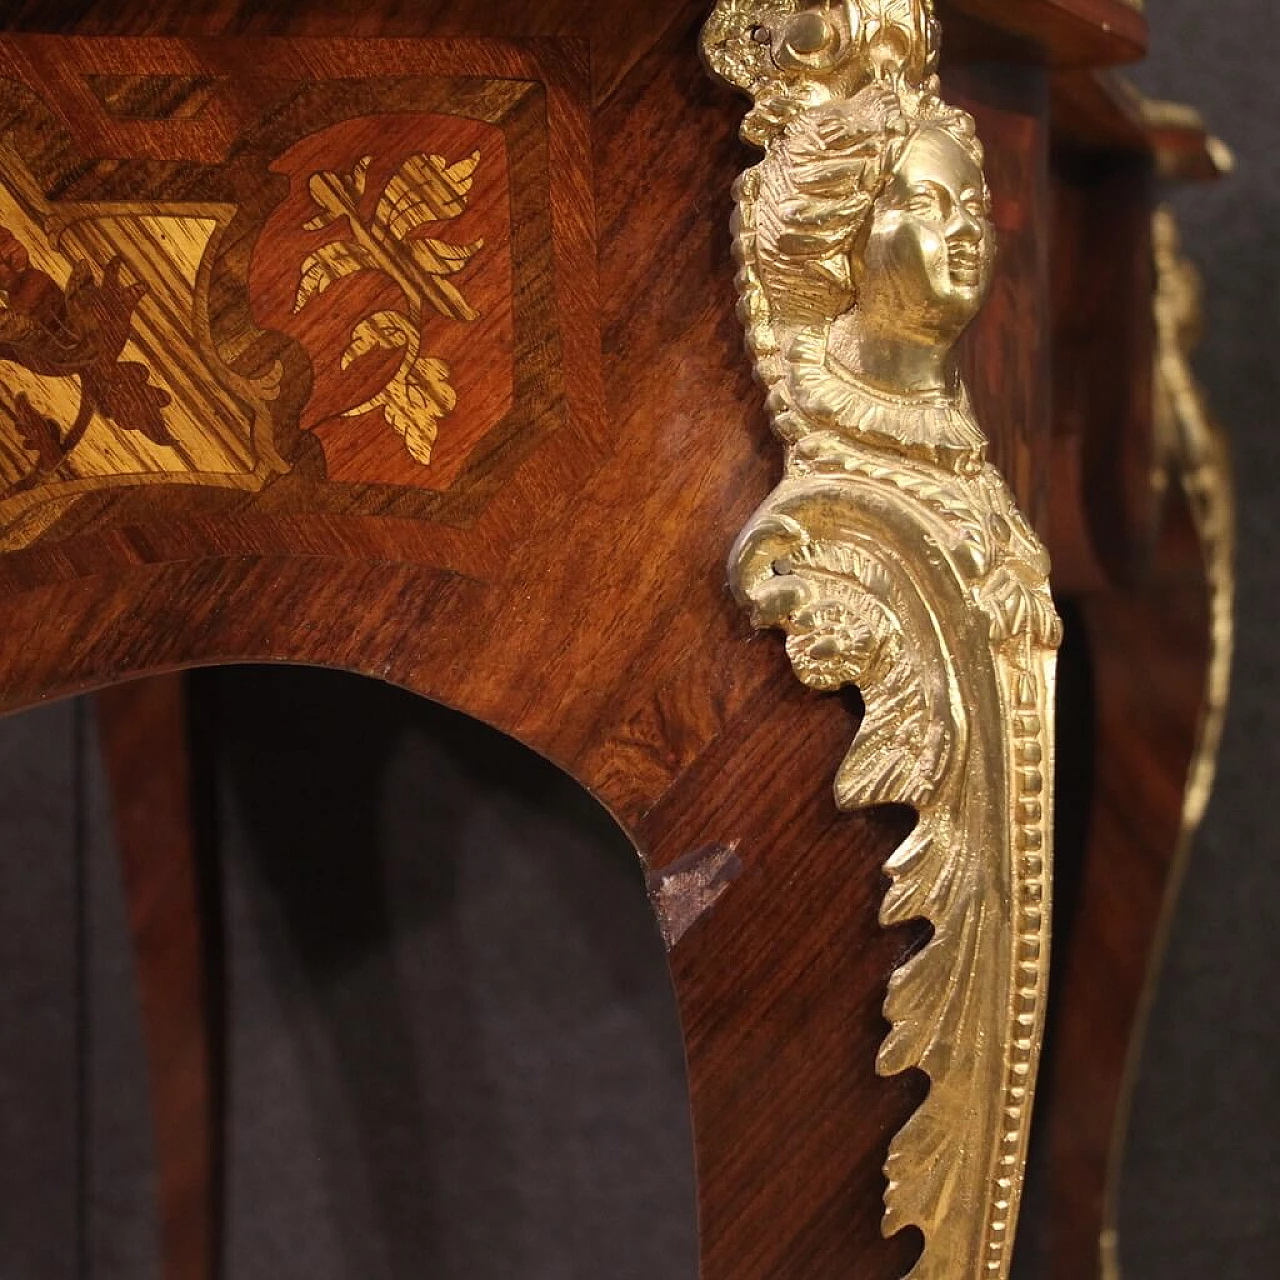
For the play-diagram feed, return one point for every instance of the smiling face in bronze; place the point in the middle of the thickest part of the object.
(926, 266)
(874, 233)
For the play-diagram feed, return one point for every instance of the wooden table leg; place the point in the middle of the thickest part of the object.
(1161, 651)
(768, 899)
(1148, 671)
(143, 730)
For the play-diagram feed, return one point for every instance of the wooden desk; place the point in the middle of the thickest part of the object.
(405, 343)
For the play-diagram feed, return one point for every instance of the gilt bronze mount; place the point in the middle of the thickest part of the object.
(893, 556)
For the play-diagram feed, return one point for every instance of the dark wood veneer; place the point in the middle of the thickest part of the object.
(143, 728)
(569, 587)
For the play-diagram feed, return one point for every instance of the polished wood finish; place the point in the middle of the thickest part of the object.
(1101, 111)
(564, 581)
(1104, 347)
(1060, 33)
(1149, 652)
(602, 543)
(1006, 354)
(143, 731)
(297, 385)
(1127, 556)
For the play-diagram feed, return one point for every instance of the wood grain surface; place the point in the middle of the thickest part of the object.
(143, 727)
(1061, 33)
(1126, 552)
(1148, 653)
(1089, 33)
(556, 566)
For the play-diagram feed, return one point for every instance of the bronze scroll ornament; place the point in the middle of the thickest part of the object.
(894, 557)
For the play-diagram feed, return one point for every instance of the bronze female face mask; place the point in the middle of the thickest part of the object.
(876, 233)
(927, 262)
(921, 267)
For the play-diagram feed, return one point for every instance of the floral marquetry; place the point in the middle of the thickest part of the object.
(345, 297)
(392, 244)
(97, 303)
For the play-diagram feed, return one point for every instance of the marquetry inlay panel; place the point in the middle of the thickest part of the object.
(311, 284)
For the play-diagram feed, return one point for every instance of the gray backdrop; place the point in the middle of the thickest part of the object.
(1202, 1182)
(453, 1048)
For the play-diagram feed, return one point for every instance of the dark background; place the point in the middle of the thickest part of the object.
(453, 1049)
(1201, 1193)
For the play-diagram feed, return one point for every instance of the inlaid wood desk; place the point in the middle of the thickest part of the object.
(409, 340)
